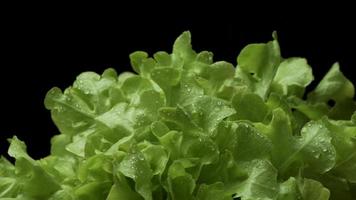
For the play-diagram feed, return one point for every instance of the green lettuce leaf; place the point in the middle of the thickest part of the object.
(257, 66)
(292, 76)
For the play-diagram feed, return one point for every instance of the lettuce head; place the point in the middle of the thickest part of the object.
(183, 127)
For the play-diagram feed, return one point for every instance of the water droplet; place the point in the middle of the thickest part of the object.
(212, 148)
(60, 109)
(320, 126)
(309, 125)
(189, 89)
(86, 92)
(325, 150)
(219, 103)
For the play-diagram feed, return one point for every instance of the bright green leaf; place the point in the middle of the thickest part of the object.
(292, 76)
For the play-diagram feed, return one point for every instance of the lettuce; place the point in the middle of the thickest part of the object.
(183, 127)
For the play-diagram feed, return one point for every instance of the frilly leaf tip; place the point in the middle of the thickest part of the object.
(275, 35)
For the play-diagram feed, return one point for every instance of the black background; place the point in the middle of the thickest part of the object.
(42, 52)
